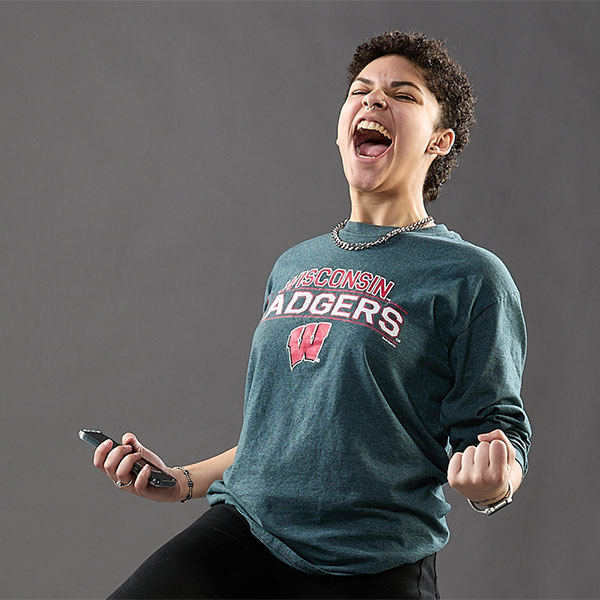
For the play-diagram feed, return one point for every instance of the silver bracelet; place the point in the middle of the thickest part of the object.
(490, 509)
(190, 482)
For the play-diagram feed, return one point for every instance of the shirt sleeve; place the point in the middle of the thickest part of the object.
(488, 359)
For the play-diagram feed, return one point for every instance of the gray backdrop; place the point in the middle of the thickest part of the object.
(157, 158)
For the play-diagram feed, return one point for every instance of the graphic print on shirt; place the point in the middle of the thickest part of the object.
(322, 296)
(305, 342)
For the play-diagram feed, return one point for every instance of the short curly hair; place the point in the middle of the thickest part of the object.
(444, 78)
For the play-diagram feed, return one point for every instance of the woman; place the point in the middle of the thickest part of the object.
(383, 345)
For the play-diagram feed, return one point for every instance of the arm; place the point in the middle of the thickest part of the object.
(488, 359)
(203, 473)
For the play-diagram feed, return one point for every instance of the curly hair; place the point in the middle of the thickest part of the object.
(444, 78)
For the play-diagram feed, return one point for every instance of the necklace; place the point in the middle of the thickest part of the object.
(380, 240)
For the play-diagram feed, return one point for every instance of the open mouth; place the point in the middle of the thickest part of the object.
(371, 143)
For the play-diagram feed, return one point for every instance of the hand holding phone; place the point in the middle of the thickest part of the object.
(131, 462)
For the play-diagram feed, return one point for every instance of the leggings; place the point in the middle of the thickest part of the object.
(218, 556)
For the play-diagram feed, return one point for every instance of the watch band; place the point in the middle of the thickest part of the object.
(490, 509)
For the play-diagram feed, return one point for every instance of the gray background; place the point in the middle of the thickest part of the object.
(157, 158)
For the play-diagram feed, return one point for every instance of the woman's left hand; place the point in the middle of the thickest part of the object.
(482, 473)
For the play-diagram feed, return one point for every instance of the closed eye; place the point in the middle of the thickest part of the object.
(397, 96)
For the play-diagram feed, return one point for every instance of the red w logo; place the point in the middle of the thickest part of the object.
(305, 342)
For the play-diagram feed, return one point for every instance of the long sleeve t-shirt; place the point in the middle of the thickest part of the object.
(366, 370)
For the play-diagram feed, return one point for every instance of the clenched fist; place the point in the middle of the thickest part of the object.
(481, 473)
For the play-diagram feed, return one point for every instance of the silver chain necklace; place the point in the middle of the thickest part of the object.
(383, 238)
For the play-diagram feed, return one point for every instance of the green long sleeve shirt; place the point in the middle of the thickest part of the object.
(367, 369)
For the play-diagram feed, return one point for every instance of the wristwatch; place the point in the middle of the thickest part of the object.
(490, 509)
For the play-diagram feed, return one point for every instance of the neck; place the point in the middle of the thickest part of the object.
(390, 212)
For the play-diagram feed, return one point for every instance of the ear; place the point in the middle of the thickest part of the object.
(443, 140)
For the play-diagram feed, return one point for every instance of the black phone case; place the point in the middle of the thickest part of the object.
(158, 478)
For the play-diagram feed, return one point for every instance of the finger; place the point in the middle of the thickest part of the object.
(141, 481)
(469, 456)
(498, 434)
(101, 452)
(498, 457)
(482, 457)
(115, 456)
(454, 466)
(124, 471)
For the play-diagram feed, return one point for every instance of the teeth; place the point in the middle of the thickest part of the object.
(373, 125)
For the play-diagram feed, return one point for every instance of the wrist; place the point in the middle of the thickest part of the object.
(186, 485)
(495, 499)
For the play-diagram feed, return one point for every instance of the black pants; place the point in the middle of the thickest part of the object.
(217, 556)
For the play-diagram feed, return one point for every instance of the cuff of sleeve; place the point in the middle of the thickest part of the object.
(520, 458)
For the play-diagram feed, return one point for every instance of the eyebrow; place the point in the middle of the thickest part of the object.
(393, 84)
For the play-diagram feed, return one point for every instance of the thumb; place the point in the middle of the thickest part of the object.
(490, 435)
(146, 453)
(129, 438)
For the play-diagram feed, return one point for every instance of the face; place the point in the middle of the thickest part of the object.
(407, 113)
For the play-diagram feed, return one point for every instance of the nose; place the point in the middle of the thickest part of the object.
(374, 98)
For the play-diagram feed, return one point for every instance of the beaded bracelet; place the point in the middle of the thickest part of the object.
(190, 482)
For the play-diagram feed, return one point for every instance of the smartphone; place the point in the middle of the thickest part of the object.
(158, 477)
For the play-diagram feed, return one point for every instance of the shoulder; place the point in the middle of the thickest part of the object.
(484, 271)
(490, 269)
(483, 281)
(474, 281)
(307, 248)
(290, 257)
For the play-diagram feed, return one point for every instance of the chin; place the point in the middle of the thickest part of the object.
(365, 178)
(365, 182)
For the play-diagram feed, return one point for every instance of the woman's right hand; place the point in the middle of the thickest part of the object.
(117, 464)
